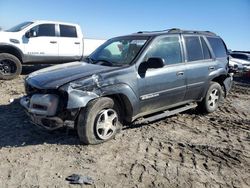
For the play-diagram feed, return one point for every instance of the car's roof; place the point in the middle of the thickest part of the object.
(53, 22)
(240, 53)
(172, 31)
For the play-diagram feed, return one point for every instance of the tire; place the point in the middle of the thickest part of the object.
(212, 99)
(10, 66)
(99, 121)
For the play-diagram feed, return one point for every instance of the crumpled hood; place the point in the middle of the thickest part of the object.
(58, 75)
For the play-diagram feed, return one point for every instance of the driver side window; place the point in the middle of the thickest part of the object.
(167, 48)
(47, 30)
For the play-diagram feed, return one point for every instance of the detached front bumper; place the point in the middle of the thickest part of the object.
(42, 109)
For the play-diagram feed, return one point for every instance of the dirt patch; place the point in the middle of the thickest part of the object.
(185, 150)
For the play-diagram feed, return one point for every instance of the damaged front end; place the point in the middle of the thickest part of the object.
(42, 109)
(59, 107)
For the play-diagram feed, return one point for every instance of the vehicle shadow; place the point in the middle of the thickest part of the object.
(17, 131)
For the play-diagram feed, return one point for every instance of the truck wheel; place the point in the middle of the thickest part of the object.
(212, 99)
(10, 66)
(99, 121)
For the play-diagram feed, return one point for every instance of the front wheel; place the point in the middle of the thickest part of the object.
(212, 99)
(10, 66)
(99, 121)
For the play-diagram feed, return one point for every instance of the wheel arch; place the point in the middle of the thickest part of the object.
(124, 105)
(126, 98)
(120, 93)
(220, 80)
(6, 48)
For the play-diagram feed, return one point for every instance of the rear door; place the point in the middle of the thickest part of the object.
(70, 43)
(199, 65)
(162, 87)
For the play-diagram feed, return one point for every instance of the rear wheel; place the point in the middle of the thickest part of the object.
(212, 99)
(99, 121)
(10, 66)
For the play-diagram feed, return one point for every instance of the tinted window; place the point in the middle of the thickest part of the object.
(47, 30)
(166, 48)
(193, 47)
(218, 47)
(240, 56)
(68, 31)
(206, 52)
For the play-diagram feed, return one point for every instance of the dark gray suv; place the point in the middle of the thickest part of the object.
(146, 74)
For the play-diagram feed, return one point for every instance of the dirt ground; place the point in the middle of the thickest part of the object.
(185, 150)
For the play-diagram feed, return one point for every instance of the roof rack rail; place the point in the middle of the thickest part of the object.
(177, 30)
(152, 31)
(174, 30)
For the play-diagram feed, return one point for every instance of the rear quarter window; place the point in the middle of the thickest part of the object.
(218, 47)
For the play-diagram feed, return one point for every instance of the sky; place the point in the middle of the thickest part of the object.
(104, 19)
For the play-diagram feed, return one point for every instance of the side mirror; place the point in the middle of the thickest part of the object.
(30, 34)
(155, 62)
(27, 34)
(151, 63)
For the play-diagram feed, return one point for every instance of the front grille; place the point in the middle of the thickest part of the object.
(39, 107)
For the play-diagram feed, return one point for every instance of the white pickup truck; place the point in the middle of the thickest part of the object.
(40, 42)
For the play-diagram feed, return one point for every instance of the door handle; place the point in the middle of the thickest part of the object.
(77, 42)
(211, 68)
(179, 73)
(53, 42)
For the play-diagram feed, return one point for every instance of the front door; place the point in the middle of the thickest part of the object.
(42, 45)
(162, 87)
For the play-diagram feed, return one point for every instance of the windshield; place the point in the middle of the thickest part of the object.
(19, 27)
(118, 51)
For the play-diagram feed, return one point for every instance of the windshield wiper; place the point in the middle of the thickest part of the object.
(104, 62)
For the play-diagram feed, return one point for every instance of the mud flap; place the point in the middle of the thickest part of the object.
(228, 82)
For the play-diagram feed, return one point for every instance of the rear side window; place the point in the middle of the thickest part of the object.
(217, 46)
(193, 47)
(47, 30)
(68, 31)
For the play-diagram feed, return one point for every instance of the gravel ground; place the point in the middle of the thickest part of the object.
(185, 150)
